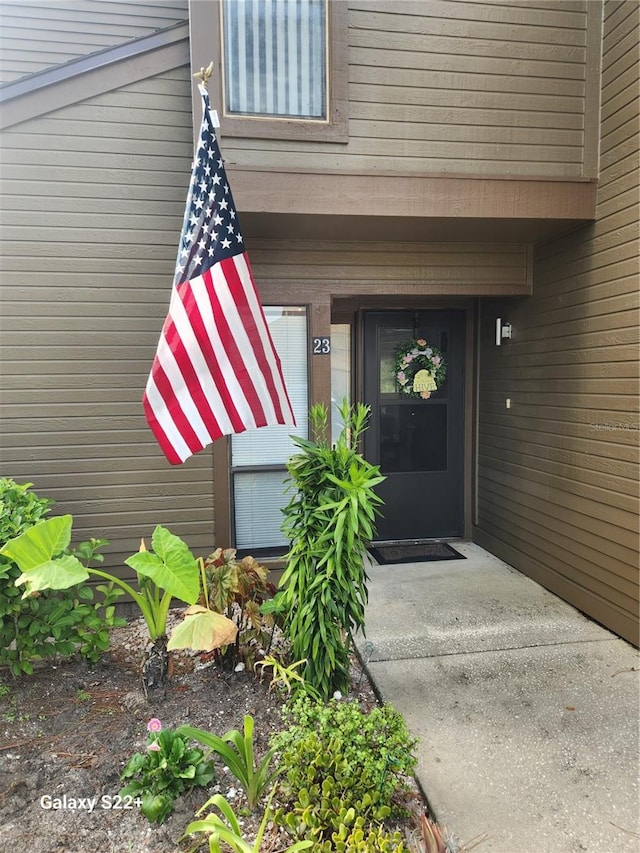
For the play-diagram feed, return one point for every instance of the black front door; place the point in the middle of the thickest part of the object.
(417, 442)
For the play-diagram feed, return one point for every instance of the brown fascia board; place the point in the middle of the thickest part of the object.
(407, 194)
(104, 71)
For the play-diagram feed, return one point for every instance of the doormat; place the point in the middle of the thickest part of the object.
(421, 552)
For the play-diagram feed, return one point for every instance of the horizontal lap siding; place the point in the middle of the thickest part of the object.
(455, 87)
(363, 269)
(93, 199)
(558, 472)
(39, 34)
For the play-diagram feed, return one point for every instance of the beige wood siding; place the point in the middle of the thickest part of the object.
(93, 200)
(312, 269)
(39, 34)
(456, 87)
(558, 472)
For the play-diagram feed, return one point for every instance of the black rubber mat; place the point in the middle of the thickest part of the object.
(410, 552)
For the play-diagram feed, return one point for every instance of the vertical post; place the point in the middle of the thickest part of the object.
(320, 364)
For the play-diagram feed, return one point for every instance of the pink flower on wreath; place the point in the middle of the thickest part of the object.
(401, 377)
(408, 358)
(425, 395)
(154, 725)
(436, 360)
(421, 342)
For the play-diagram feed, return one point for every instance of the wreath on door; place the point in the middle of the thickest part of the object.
(418, 368)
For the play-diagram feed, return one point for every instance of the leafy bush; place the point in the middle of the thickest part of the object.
(321, 811)
(43, 554)
(340, 763)
(376, 744)
(54, 623)
(168, 767)
(329, 521)
(360, 838)
(237, 589)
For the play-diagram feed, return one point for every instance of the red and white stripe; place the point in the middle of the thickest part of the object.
(216, 371)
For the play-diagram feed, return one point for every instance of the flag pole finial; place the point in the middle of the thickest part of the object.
(205, 73)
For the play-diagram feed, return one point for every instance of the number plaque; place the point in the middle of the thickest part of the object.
(321, 346)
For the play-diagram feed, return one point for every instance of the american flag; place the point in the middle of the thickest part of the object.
(216, 371)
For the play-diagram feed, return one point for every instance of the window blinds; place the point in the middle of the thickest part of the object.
(275, 57)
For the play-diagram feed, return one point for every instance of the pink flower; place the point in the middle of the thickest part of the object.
(401, 377)
(436, 360)
(425, 395)
(153, 747)
(154, 725)
(408, 358)
(421, 342)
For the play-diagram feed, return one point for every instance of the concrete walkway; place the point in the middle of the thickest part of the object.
(527, 713)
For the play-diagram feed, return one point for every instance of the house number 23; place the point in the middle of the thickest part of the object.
(321, 346)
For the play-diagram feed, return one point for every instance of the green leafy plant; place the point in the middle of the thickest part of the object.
(170, 571)
(226, 829)
(237, 589)
(20, 508)
(286, 678)
(53, 622)
(167, 769)
(355, 833)
(363, 838)
(370, 753)
(236, 749)
(329, 807)
(329, 521)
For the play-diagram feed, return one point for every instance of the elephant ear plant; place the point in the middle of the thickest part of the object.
(329, 521)
(170, 571)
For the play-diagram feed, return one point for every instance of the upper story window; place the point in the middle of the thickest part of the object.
(280, 66)
(275, 58)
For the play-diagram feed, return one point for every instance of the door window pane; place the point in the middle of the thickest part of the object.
(389, 339)
(413, 437)
(275, 58)
(340, 373)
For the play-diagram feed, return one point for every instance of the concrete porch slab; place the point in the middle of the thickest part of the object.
(526, 711)
(471, 605)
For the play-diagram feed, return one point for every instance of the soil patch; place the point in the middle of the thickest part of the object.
(70, 728)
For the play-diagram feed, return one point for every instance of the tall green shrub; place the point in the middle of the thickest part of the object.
(54, 623)
(329, 521)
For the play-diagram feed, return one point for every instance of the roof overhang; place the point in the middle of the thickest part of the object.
(339, 206)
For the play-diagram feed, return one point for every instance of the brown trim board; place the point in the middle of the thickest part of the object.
(420, 196)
